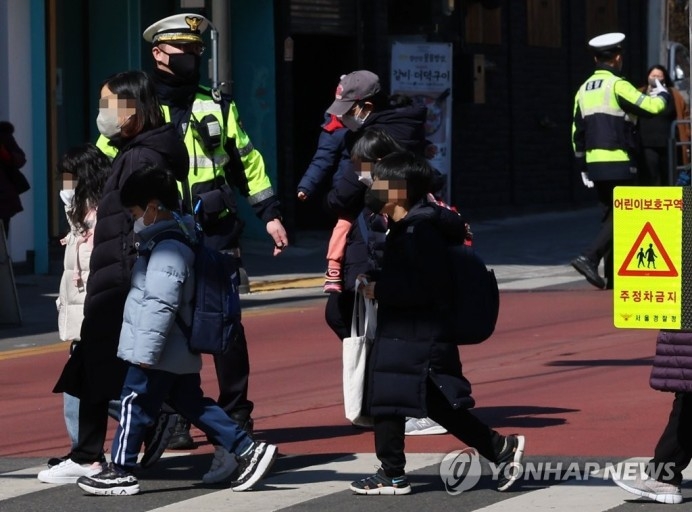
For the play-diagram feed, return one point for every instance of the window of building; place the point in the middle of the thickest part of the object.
(601, 17)
(544, 24)
(334, 17)
(483, 24)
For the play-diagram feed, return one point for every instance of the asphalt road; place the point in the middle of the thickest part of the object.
(556, 371)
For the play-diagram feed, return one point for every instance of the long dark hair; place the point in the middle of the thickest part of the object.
(138, 86)
(667, 80)
(91, 168)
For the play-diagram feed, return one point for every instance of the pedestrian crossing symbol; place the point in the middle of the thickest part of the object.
(648, 261)
(648, 257)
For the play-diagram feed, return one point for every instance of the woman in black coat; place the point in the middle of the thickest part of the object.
(414, 367)
(130, 116)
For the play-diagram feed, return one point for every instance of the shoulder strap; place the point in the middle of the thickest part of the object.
(169, 234)
(363, 226)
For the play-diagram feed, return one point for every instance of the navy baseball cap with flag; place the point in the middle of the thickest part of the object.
(355, 86)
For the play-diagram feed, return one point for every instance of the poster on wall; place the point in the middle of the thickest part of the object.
(423, 72)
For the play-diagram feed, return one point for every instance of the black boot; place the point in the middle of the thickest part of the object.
(181, 438)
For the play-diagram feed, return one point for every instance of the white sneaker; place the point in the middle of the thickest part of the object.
(68, 471)
(423, 427)
(644, 485)
(222, 467)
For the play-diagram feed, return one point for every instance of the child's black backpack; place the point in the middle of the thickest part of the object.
(216, 305)
(475, 299)
(475, 303)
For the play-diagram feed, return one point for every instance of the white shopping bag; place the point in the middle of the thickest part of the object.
(355, 355)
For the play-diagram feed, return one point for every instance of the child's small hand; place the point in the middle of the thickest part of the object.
(302, 196)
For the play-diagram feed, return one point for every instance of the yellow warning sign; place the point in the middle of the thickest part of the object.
(647, 258)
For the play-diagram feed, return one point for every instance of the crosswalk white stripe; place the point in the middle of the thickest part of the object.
(18, 483)
(530, 277)
(593, 495)
(537, 282)
(21, 482)
(298, 485)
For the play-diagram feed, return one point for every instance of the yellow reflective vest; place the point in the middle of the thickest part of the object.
(211, 168)
(606, 107)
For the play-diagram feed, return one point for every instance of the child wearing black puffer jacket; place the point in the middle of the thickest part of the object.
(414, 367)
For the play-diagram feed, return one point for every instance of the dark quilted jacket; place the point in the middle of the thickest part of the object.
(412, 343)
(672, 370)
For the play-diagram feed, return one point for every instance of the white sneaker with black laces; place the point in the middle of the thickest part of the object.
(112, 481)
(253, 464)
(222, 467)
(423, 427)
(68, 471)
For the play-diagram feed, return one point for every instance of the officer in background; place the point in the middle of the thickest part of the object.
(603, 137)
(221, 156)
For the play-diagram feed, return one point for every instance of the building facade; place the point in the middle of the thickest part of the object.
(516, 66)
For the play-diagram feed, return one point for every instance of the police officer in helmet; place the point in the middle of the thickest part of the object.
(221, 156)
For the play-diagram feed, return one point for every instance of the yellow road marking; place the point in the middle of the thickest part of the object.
(62, 346)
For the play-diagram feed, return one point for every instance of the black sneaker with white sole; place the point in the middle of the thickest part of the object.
(157, 438)
(112, 481)
(380, 483)
(510, 460)
(253, 464)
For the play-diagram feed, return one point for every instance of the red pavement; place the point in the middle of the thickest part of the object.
(556, 370)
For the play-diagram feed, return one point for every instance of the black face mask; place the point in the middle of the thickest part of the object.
(185, 66)
(373, 201)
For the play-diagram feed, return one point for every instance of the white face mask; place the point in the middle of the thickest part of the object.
(107, 122)
(139, 224)
(66, 195)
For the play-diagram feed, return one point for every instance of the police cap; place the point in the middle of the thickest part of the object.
(179, 28)
(607, 42)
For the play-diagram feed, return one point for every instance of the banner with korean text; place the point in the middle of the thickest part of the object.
(423, 73)
(652, 268)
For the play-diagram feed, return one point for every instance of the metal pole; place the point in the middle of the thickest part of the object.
(214, 58)
(220, 12)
